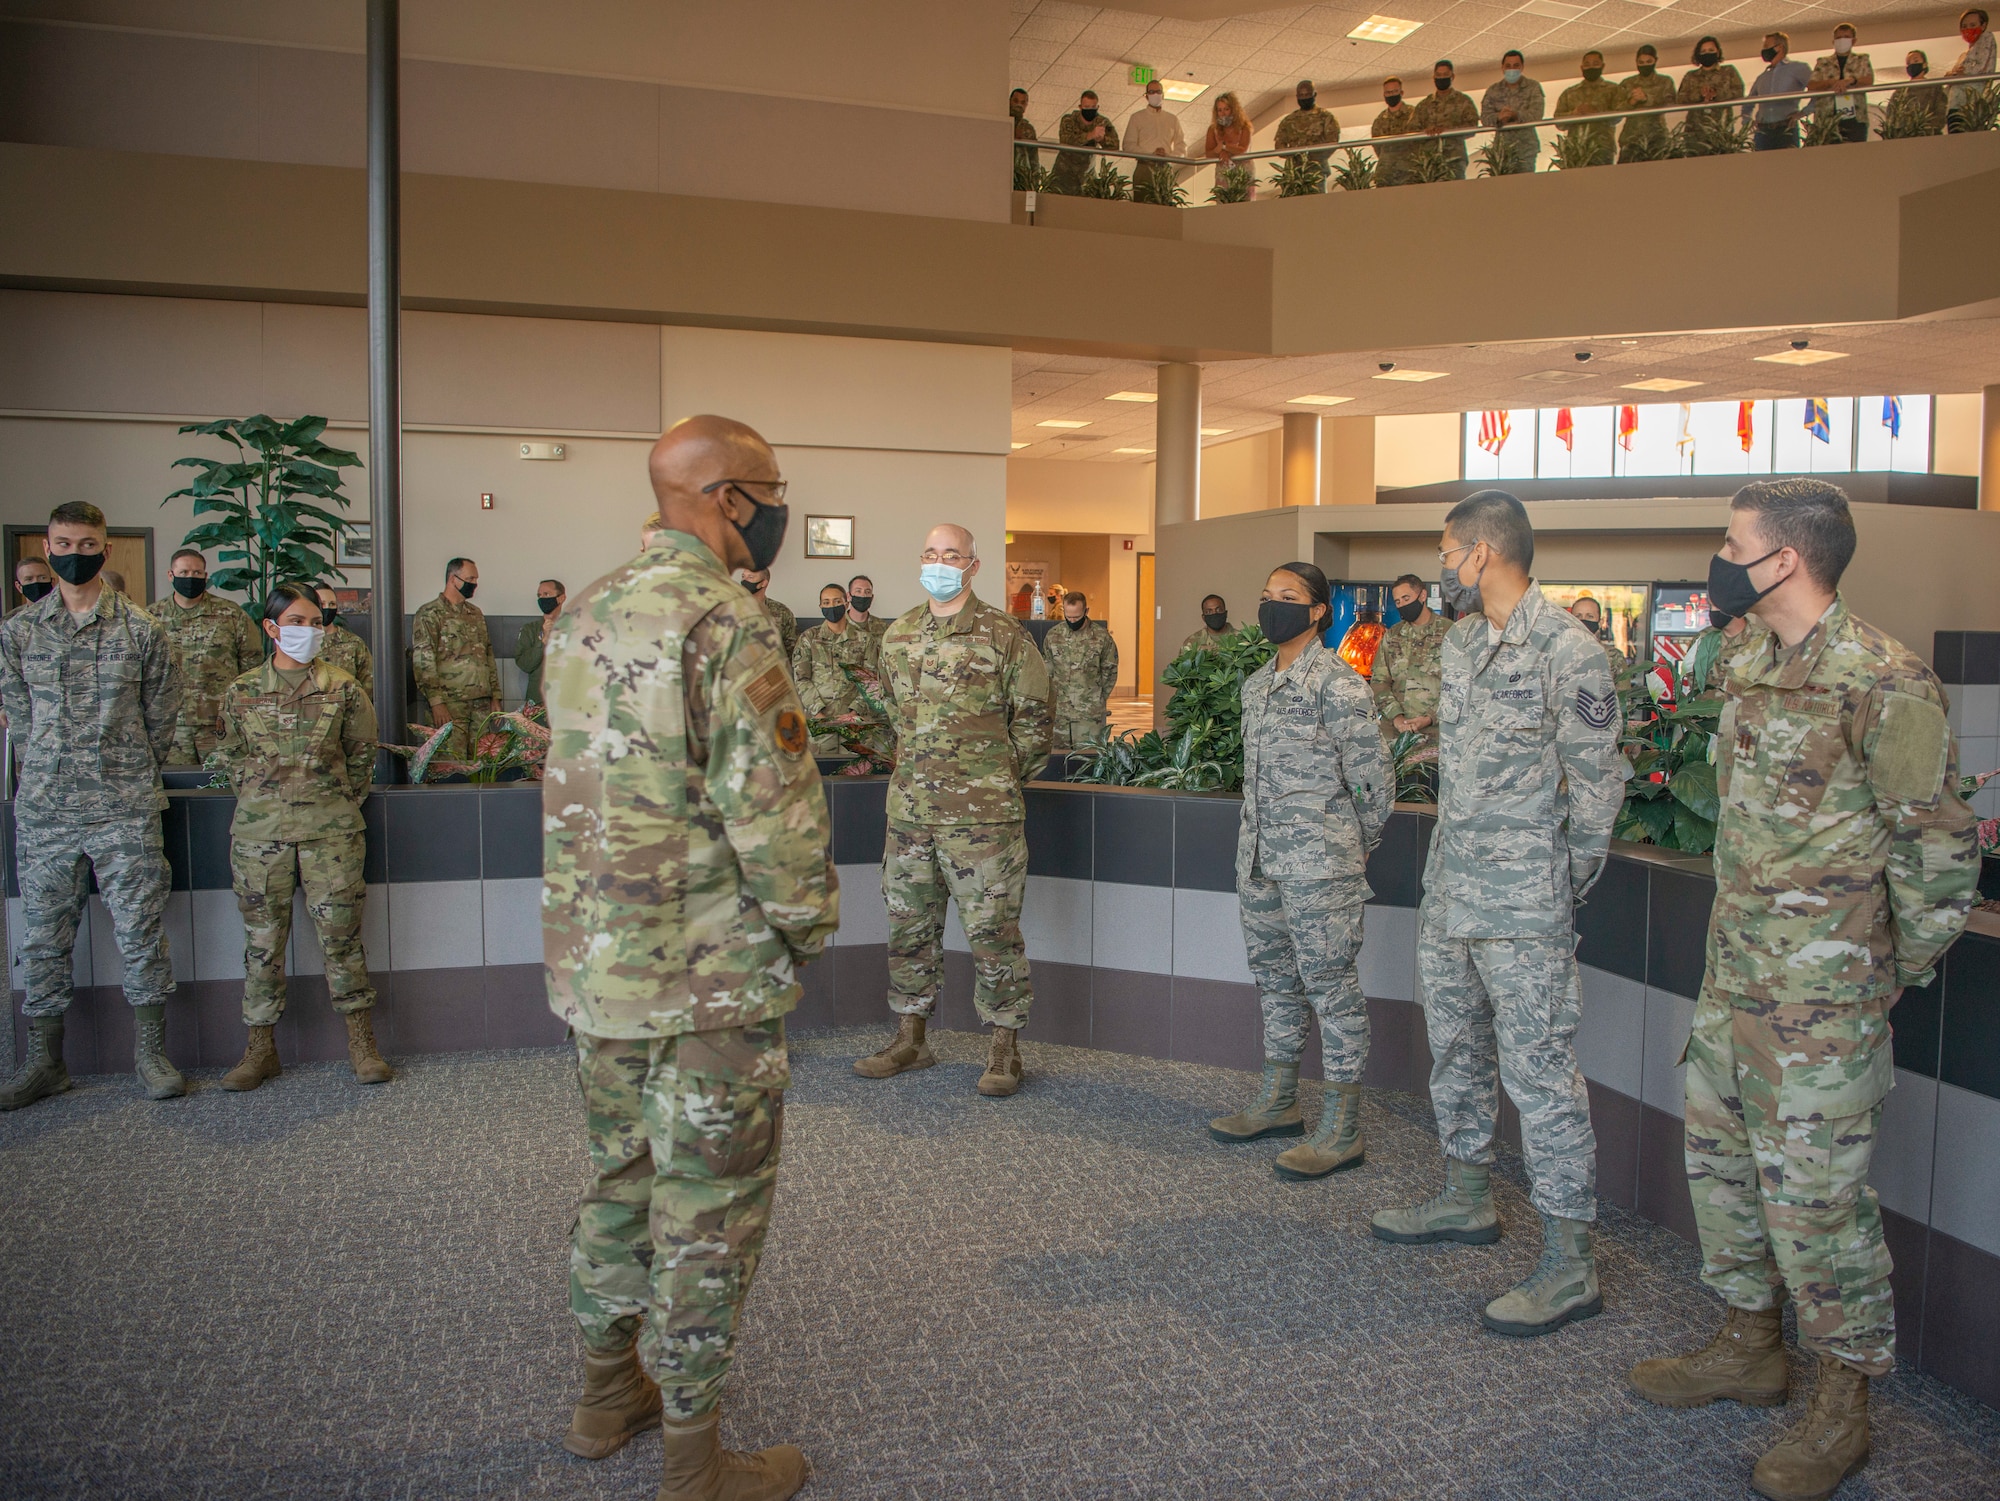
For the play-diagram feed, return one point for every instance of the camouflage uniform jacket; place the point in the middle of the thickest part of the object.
(1407, 672)
(452, 654)
(970, 699)
(1204, 640)
(1600, 98)
(1307, 127)
(1528, 103)
(1449, 110)
(1083, 668)
(217, 642)
(685, 832)
(92, 707)
(1702, 85)
(347, 651)
(818, 667)
(529, 653)
(1920, 103)
(787, 624)
(1394, 158)
(1845, 860)
(1316, 781)
(300, 758)
(1073, 130)
(1530, 778)
(1642, 92)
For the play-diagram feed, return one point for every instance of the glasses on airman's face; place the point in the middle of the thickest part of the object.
(765, 492)
(1446, 554)
(951, 557)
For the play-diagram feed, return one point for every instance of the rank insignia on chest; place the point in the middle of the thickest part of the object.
(1596, 709)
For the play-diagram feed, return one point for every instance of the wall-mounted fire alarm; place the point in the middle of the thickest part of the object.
(486, 500)
(555, 451)
(1128, 544)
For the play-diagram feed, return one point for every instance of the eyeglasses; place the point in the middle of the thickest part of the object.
(951, 556)
(1444, 555)
(775, 487)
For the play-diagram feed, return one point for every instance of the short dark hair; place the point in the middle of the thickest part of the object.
(76, 513)
(1012, 92)
(1645, 48)
(1497, 519)
(557, 582)
(33, 557)
(1088, 94)
(1076, 597)
(1707, 41)
(454, 565)
(1307, 83)
(1443, 62)
(857, 579)
(831, 585)
(1979, 13)
(1217, 598)
(1809, 516)
(1312, 577)
(1512, 52)
(187, 552)
(283, 596)
(1593, 52)
(1414, 582)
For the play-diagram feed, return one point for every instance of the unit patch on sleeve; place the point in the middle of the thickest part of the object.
(791, 731)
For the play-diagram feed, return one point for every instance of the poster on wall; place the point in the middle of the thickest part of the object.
(1024, 582)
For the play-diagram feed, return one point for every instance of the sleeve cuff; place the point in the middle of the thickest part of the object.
(1910, 979)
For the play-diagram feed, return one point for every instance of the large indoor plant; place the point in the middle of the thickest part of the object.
(1202, 747)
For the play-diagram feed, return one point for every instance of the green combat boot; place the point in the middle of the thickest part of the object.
(1335, 1146)
(1275, 1111)
(1745, 1362)
(1827, 1446)
(1463, 1212)
(1560, 1290)
(41, 1073)
(149, 1054)
(907, 1050)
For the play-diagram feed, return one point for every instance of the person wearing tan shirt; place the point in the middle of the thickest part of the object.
(1152, 131)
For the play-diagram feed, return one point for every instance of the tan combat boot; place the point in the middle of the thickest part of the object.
(1830, 1444)
(260, 1061)
(1745, 1362)
(695, 1466)
(369, 1066)
(907, 1051)
(1464, 1212)
(41, 1073)
(1335, 1146)
(1003, 1064)
(1275, 1111)
(619, 1401)
(149, 1054)
(1560, 1290)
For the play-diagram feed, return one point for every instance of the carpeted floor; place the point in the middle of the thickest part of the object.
(316, 1290)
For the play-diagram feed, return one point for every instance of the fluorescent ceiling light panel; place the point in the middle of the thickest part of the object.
(1552, 10)
(1131, 450)
(1799, 357)
(1017, 445)
(1661, 383)
(1318, 401)
(1216, 432)
(1412, 375)
(1062, 422)
(1386, 29)
(1131, 396)
(1180, 90)
(1559, 377)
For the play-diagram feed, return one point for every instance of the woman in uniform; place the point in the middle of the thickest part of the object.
(298, 746)
(1316, 792)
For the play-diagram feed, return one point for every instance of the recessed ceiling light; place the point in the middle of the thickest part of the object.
(1661, 383)
(1180, 90)
(1131, 450)
(1318, 401)
(1385, 29)
(1552, 10)
(1216, 432)
(1017, 445)
(1411, 375)
(1799, 357)
(1131, 396)
(1062, 422)
(1628, 341)
(1559, 377)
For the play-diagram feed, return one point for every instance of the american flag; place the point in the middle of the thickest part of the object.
(1494, 431)
(1566, 429)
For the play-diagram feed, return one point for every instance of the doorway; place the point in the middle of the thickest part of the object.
(128, 550)
(1148, 622)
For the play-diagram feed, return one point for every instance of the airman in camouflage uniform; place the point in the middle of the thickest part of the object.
(1214, 626)
(1316, 791)
(1067, 175)
(217, 642)
(1596, 95)
(342, 648)
(1083, 669)
(34, 582)
(970, 698)
(451, 654)
(1448, 109)
(92, 705)
(1397, 119)
(825, 665)
(1644, 138)
(1597, 623)
(1518, 104)
(686, 879)
(1408, 671)
(1709, 83)
(1308, 125)
(298, 747)
(1017, 107)
(1845, 865)
(1530, 782)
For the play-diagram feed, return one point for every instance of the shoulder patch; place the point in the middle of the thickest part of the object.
(1596, 709)
(1910, 750)
(791, 732)
(768, 688)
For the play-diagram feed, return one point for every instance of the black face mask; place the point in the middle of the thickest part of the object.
(1307, 101)
(833, 613)
(860, 604)
(1915, 70)
(465, 587)
(328, 614)
(1280, 620)
(191, 588)
(1595, 627)
(1088, 114)
(1217, 622)
(763, 533)
(1730, 591)
(1077, 624)
(1646, 70)
(39, 590)
(76, 567)
(1392, 100)
(1707, 59)
(1769, 54)
(547, 605)
(1410, 611)
(1442, 84)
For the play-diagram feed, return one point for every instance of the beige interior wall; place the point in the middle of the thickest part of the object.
(1066, 495)
(1227, 555)
(1420, 449)
(1955, 434)
(1244, 474)
(1347, 461)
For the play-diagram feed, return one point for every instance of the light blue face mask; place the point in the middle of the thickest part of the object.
(941, 581)
(1512, 75)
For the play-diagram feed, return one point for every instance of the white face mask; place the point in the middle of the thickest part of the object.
(1154, 101)
(1843, 45)
(300, 642)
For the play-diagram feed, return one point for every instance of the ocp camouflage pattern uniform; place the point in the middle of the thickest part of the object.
(1393, 161)
(216, 642)
(1204, 640)
(530, 651)
(820, 664)
(1645, 137)
(1450, 109)
(451, 655)
(92, 707)
(299, 749)
(787, 624)
(685, 879)
(1706, 85)
(1316, 793)
(1083, 669)
(1071, 167)
(1530, 781)
(1407, 674)
(1599, 98)
(970, 698)
(1023, 131)
(1845, 864)
(347, 651)
(1308, 127)
(1529, 104)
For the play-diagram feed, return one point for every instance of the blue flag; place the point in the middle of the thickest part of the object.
(1892, 415)
(1818, 423)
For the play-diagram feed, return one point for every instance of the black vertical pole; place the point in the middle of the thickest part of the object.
(385, 369)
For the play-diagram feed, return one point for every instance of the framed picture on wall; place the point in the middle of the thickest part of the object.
(829, 536)
(355, 547)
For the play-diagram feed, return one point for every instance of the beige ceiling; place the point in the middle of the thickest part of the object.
(1248, 396)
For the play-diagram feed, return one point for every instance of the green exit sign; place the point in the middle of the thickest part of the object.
(1143, 75)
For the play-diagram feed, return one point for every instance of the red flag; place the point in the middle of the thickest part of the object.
(1746, 425)
(1566, 429)
(1494, 431)
(1628, 426)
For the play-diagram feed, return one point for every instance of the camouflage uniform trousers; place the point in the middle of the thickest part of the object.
(984, 868)
(1780, 1182)
(1505, 1010)
(1302, 938)
(683, 1134)
(265, 872)
(466, 718)
(130, 858)
(1079, 733)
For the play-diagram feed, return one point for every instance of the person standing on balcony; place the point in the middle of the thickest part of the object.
(1017, 109)
(1918, 104)
(216, 642)
(1530, 781)
(1083, 669)
(1408, 668)
(1596, 95)
(1082, 126)
(1308, 125)
(1979, 57)
(1397, 119)
(1152, 131)
(1644, 138)
(1228, 131)
(1846, 863)
(1316, 793)
(1710, 80)
(1777, 125)
(1447, 109)
(1841, 73)
(1515, 100)
(451, 653)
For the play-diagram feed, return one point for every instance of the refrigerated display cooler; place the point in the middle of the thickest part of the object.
(1679, 616)
(1361, 616)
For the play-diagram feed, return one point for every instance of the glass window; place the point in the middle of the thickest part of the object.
(1908, 450)
(1511, 454)
(1654, 446)
(1794, 450)
(1587, 455)
(1718, 439)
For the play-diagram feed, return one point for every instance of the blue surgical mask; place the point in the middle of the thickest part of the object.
(941, 581)
(1512, 75)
